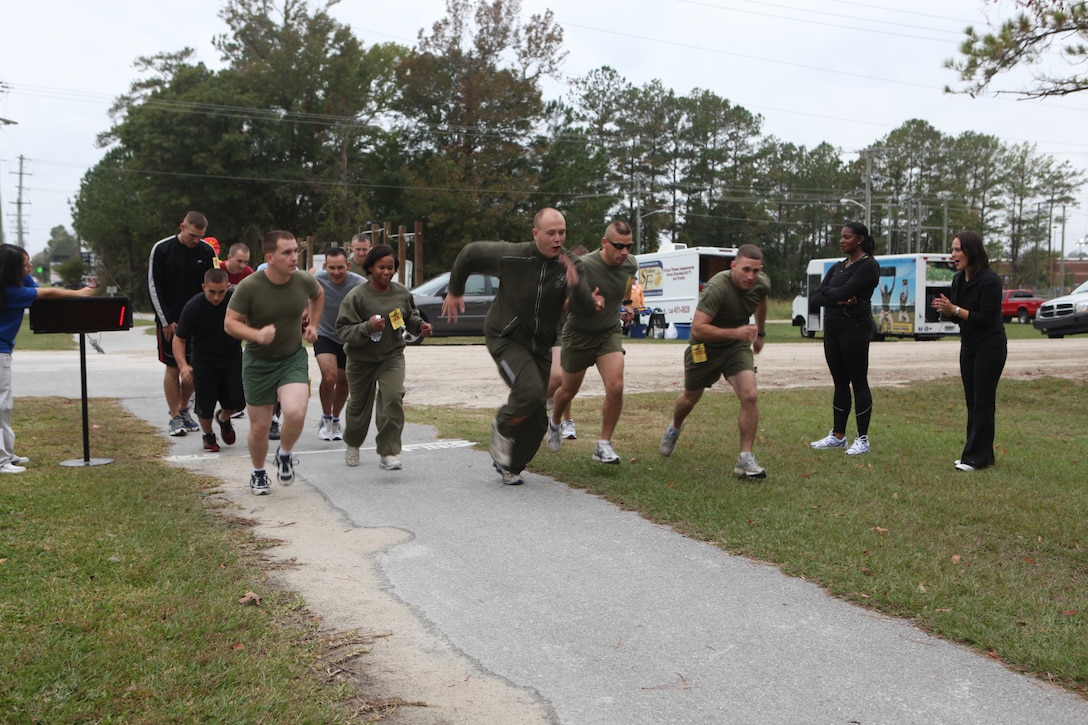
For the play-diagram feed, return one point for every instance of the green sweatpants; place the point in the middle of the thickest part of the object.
(523, 417)
(370, 383)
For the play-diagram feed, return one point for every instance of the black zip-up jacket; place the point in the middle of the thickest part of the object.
(175, 274)
(843, 282)
(981, 297)
(532, 289)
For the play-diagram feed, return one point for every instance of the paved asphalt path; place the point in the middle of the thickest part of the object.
(605, 617)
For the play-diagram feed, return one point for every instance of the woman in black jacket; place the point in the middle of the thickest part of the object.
(846, 294)
(974, 302)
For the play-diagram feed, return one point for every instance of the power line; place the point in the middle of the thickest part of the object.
(823, 13)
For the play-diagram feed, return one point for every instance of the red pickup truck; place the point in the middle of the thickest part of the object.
(1020, 304)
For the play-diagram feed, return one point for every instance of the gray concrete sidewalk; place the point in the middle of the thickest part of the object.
(603, 616)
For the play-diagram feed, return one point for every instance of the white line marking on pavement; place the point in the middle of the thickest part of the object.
(433, 446)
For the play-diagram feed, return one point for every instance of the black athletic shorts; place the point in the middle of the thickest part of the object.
(329, 346)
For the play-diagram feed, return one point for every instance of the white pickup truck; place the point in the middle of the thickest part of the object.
(1064, 315)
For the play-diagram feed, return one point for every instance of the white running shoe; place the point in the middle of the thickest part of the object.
(554, 440)
(389, 463)
(324, 432)
(335, 430)
(258, 484)
(831, 441)
(351, 456)
(569, 433)
(748, 468)
(859, 446)
(285, 467)
(604, 453)
(668, 441)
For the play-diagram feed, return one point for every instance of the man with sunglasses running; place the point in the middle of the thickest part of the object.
(594, 336)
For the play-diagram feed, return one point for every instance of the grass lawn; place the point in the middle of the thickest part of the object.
(121, 583)
(121, 589)
(996, 559)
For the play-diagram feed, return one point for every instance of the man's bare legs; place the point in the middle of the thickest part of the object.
(333, 390)
(610, 366)
(568, 388)
(685, 403)
(177, 390)
(744, 384)
(260, 420)
(555, 379)
(293, 399)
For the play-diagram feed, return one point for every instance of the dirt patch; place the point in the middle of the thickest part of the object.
(464, 375)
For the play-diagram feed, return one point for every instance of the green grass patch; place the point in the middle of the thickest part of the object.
(121, 591)
(996, 559)
(27, 340)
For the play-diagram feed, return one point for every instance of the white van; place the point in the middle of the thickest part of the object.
(673, 276)
(900, 302)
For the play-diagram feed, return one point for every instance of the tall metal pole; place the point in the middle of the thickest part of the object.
(1061, 264)
(944, 229)
(19, 207)
(869, 189)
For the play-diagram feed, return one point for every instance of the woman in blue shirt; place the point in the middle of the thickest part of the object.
(18, 290)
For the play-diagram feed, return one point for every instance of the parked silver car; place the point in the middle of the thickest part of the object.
(480, 292)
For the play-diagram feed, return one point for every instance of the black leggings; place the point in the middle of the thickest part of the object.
(846, 349)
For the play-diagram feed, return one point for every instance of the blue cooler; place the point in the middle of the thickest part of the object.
(638, 330)
(683, 330)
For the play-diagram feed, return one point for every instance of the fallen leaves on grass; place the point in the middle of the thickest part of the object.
(250, 599)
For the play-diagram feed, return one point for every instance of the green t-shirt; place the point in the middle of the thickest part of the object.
(728, 305)
(612, 284)
(263, 302)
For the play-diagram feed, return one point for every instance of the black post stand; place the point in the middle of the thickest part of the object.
(87, 460)
(72, 315)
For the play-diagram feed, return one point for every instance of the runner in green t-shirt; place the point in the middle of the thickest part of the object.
(593, 336)
(266, 311)
(722, 344)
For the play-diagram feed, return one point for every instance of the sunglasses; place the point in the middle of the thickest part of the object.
(617, 245)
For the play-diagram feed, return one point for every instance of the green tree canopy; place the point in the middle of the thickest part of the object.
(1047, 32)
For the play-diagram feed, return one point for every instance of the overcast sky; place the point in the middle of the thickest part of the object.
(816, 70)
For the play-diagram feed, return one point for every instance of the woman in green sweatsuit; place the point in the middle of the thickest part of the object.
(371, 322)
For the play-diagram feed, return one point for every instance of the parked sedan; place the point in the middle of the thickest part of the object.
(480, 292)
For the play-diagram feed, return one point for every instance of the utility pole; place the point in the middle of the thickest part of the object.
(19, 230)
(1061, 263)
(3, 122)
(869, 189)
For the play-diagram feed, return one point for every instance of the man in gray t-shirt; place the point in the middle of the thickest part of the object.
(337, 281)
